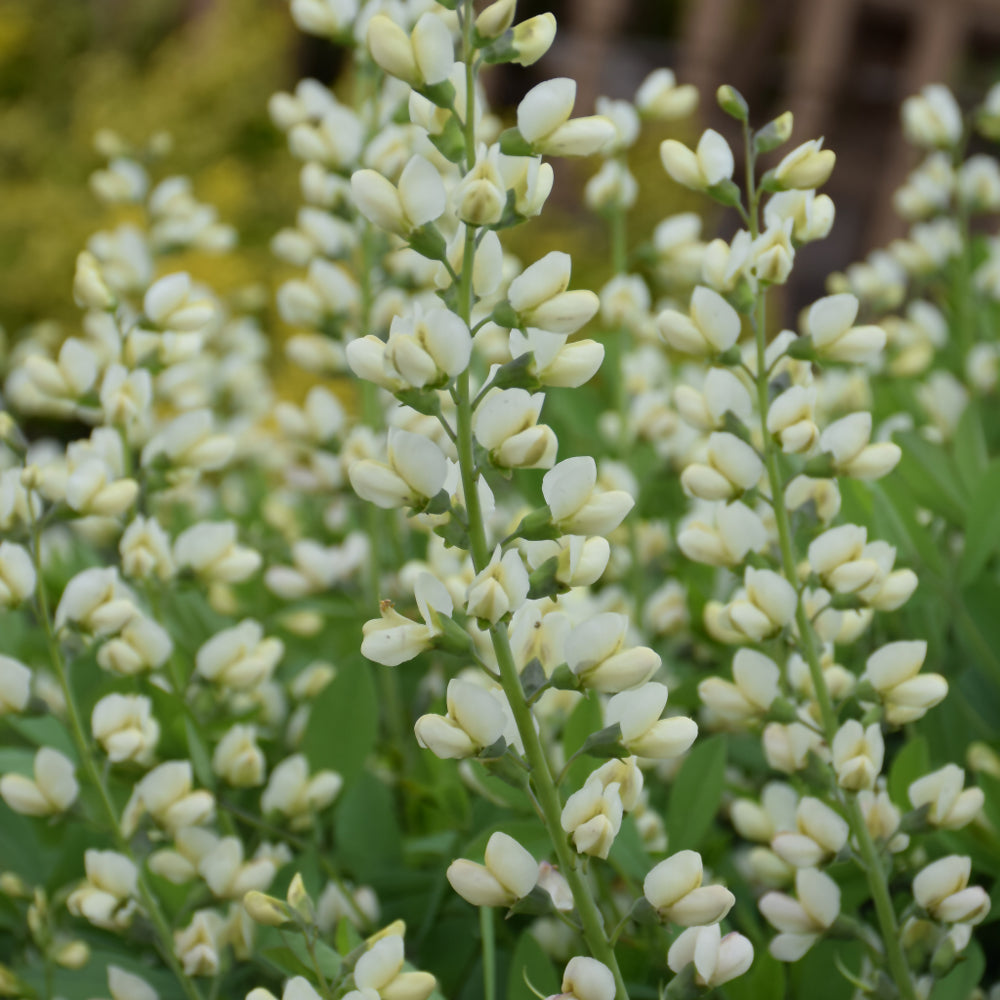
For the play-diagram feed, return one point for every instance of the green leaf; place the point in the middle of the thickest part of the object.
(697, 792)
(531, 963)
(343, 720)
(982, 526)
(894, 508)
(932, 477)
(44, 731)
(961, 982)
(971, 452)
(912, 762)
(200, 759)
(366, 827)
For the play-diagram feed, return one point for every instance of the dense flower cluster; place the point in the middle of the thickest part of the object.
(174, 561)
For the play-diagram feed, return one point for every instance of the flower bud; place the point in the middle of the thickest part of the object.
(709, 164)
(716, 959)
(644, 733)
(17, 575)
(53, 790)
(587, 979)
(674, 889)
(509, 874)
(533, 38)
(806, 166)
(932, 119)
(475, 720)
(593, 816)
(495, 19)
(949, 806)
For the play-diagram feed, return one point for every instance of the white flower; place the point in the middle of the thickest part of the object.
(644, 733)
(166, 794)
(237, 758)
(210, 549)
(543, 119)
(674, 889)
(292, 792)
(597, 653)
(587, 979)
(95, 601)
(540, 297)
(414, 471)
(894, 672)
(710, 164)
(593, 816)
(506, 425)
(755, 686)
(239, 657)
(475, 720)
(949, 806)
(819, 833)
(858, 754)
(171, 304)
(711, 325)
(125, 727)
(509, 874)
(801, 921)
(932, 118)
(53, 790)
(106, 898)
(716, 959)
(424, 57)
(393, 639)
(942, 888)
(577, 507)
(17, 574)
(418, 199)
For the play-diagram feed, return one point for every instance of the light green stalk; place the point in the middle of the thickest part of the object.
(541, 779)
(95, 775)
(870, 862)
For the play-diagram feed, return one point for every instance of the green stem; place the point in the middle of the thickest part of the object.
(488, 938)
(93, 772)
(545, 792)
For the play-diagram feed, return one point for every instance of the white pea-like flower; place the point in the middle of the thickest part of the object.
(716, 959)
(578, 507)
(427, 348)
(239, 657)
(894, 672)
(230, 877)
(801, 921)
(711, 325)
(53, 790)
(597, 653)
(173, 304)
(424, 57)
(811, 214)
(787, 747)
(142, 644)
(790, 419)
(586, 978)
(847, 442)
(731, 467)
(326, 18)
(210, 550)
(414, 471)
(806, 166)
(95, 601)
(292, 792)
(644, 733)
(932, 119)
(858, 755)
(949, 805)
(56, 383)
(125, 727)
(393, 639)
(709, 164)
(188, 442)
(379, 973)
(124, 985)
(107, 897)
(593, 816)
(942, 888)
(774, 813)
(475, 720)
(725, 537)
(674, 889)
(167, 793)
(543, 119)
(506, 425)
(660, 96)
(509, 874)
(197, 946)
(500, 588)
(820, 832)
(721, 393)
(145, 550)
(237, 758)
(755, 685)
(417, 200)
(541, 298)
(830, 324)
(580, 562)
(765, 605)
(17, 574)
(15, 685)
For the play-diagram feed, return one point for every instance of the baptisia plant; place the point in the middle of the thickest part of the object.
(766, 480)
(514, 606)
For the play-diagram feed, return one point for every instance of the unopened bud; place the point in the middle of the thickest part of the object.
(266, 910)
